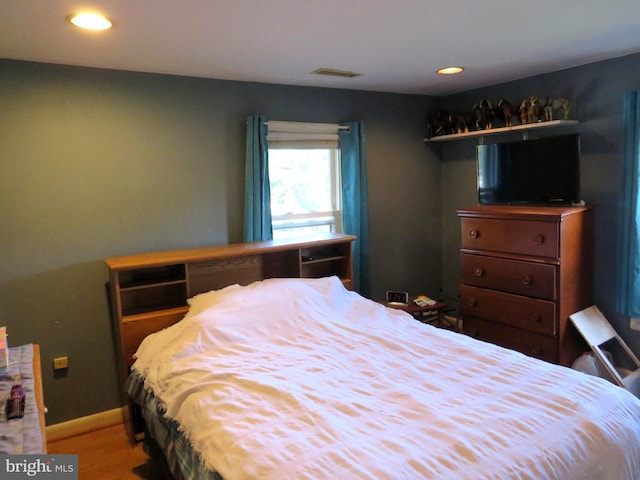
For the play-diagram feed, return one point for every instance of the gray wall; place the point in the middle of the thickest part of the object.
(597, 92)
(97, 163)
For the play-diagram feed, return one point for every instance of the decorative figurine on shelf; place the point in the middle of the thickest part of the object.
(483, 114)
(553, 105)
(462, 122)
(524, 111)
(450, 124)
(504, 112)
(536, 110)
(545, 108)
(437, 124)
(442, 123)
(431, 128)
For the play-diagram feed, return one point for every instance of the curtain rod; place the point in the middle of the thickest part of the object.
(340, 127)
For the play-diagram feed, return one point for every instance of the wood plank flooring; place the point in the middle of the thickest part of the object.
(107, 455)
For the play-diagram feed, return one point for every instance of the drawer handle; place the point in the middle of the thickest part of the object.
(479, 271)
(472, 302)
(536, 317)
(474, 233)
(539, 238)
(527, 279)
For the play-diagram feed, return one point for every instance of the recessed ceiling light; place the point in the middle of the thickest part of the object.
(449, 70)
(91, 21)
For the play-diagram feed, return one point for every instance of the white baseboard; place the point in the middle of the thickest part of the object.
(86, 424)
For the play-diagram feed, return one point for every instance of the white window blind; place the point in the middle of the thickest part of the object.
(302, 135)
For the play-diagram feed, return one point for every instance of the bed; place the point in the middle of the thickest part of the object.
(304, 379)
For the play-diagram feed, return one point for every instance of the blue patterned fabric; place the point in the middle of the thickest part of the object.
(20, 435)
(183, 462)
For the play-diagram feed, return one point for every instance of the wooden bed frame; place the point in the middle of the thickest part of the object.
(149, 291)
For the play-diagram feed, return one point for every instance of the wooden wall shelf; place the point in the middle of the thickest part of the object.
(493, 131)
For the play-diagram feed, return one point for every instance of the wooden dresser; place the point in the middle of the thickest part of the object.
(149, 291)
(523, 271)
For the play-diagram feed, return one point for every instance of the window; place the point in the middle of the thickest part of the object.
(350, 213)
(304, 178)
(305, 191)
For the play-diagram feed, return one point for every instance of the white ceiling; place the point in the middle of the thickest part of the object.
(396, 44)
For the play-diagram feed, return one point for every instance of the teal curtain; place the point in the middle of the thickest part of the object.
(355, 205)
(628, 291)
(257, 201)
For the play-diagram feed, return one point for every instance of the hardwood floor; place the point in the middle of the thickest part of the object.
(107, 455)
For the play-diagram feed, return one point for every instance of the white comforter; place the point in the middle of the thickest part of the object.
(302, 379)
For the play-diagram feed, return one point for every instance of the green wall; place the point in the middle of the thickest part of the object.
(98, 163)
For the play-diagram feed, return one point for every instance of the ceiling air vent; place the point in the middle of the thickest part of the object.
(332, 72)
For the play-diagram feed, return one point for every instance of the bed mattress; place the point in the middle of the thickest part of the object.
(304, 379)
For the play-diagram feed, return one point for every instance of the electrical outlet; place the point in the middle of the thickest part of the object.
(60, 363)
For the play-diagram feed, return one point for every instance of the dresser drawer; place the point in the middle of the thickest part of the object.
(523, 312)
(513, 276)
(525, 237)
(529, 343)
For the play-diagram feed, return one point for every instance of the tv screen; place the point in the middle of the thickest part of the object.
(543, 171)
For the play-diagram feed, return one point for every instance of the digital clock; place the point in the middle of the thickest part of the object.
(397, 298)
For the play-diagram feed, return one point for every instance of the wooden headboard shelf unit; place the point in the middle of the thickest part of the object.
(149, 291)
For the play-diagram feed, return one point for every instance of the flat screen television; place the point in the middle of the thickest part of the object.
(544, 171)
